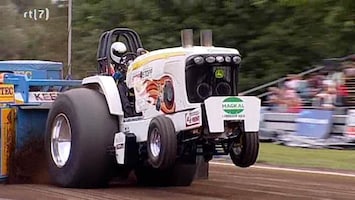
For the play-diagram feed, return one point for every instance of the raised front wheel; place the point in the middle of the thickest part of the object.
(244, 151)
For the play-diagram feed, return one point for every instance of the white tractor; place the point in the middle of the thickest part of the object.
(152, 113)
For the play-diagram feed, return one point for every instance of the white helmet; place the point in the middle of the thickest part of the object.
(117, 50)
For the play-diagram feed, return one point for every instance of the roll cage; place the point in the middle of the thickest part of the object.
(129, 37)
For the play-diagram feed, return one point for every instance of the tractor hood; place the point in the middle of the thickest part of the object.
(178, 51)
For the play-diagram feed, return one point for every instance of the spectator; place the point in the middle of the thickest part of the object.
(342, 93)
(291, 98)
(341, 89)
(285, 99)
(349, 71)
(326, 89)
(305, 91)
(293, 81)
(338, 77)
(315, 83)
(326, 98)
(274, 98)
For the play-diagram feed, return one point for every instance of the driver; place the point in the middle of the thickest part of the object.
(118, 49)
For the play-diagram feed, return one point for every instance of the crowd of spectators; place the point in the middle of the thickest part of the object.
(325, 90)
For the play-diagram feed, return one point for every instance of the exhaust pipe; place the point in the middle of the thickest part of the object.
(187, 38)
(206, 38)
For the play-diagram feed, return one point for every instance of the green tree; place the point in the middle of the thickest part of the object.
(275, 37)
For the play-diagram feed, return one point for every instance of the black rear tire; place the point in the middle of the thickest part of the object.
(92, 131)
(245, 151)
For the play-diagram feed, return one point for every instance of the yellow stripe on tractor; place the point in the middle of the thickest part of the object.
(151, 58)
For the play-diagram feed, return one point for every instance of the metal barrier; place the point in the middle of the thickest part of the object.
(287, 122)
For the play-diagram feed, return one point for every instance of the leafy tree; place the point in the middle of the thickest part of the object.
(275, 37)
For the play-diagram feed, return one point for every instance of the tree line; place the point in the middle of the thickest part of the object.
(275, 37)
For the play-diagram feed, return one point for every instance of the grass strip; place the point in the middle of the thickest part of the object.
(274, 154)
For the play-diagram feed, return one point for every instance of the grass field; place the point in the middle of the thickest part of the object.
(301, 157)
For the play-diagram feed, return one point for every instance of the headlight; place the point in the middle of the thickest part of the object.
(219, 59)
(198, 60)
(228, 59)
(210, 59)
(237, 59)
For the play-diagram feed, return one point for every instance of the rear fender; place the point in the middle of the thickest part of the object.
(110, 90)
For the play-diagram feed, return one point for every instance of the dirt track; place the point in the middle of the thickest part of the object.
(225, 182)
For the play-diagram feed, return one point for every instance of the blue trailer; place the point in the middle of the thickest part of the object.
(36, 69)
(27, 89)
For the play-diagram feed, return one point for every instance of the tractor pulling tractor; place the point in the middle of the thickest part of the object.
(170, 108)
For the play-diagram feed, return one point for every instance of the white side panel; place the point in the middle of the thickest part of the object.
(152, 70)
(252, 113)
(119, 144)
(138, 127)
(214, 114)
(176, 67)
(220, 109)
(182, 121)
(187, 120)
(110, 90)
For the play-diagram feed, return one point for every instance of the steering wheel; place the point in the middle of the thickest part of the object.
(123, 65)
(129, 56)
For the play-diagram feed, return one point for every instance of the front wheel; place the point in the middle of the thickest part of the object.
(78, 132)
(161, 143)
(244, 151)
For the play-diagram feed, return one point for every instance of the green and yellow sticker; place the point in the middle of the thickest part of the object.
(219, 73)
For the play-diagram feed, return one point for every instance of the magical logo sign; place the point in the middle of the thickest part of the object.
(233, 105)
